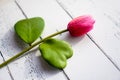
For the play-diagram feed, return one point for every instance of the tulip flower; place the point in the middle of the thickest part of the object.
(80, 25)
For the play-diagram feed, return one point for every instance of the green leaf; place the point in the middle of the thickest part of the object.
(56, 52)
(29, 29)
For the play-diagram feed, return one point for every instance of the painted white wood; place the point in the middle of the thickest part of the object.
(4, 73)
(29, 67)
(88, 62)
(106, 32)
(49, 10)
(9, 14)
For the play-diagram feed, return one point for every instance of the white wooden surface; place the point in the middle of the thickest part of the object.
(96, 55)
(106, 33)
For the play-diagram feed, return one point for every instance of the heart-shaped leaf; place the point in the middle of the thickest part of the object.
(29, 29)
(56, 52)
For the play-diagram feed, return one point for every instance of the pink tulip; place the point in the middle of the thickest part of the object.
(80, 25)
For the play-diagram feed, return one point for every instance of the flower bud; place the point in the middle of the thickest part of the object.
(80, 25)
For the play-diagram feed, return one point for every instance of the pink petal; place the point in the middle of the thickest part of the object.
(80, 25)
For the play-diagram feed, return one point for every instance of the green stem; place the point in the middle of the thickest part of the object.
(30, 47)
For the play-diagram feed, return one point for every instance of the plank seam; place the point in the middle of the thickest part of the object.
(21, 9)
(115, 65)
(63, 7)
(66, 75)
(104, 53)
(6, 66)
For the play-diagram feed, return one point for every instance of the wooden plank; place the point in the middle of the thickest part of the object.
(8, 16)
(106, 33)
(88, 62)
(43, 9)
(4, 73)
(29, 67)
